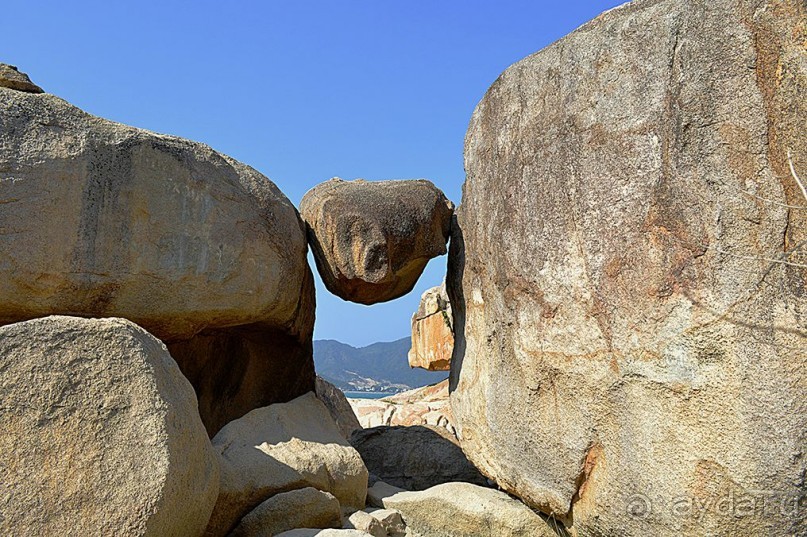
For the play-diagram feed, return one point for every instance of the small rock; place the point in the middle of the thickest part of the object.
(307, 507)
(461, 509)
(309, 532)
(371, 240)
(363, 521)
(11, 77)
(390, 519)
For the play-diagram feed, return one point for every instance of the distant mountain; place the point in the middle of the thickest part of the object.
(380, 367)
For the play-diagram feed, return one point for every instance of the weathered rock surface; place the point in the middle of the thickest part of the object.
(12, 78)
(428, 405)
(415, 457)
(308, 507)
(630, 344)
(371, 240)
(462, 509)
(99, 433)
(100, 219)
(432, 332)
(279, 448)
(338, 406)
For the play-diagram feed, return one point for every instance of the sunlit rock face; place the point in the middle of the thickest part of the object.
(432, 333)
(100, 219)
(627, 276)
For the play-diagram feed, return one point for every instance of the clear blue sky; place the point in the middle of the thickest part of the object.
(301, 90)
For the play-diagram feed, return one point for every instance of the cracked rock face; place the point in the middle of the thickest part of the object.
(372, 240)
(630, 342)
(432, 333)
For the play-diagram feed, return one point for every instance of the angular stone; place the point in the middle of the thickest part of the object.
(432, 332)
(371, 240)
(629, 330)
(99, 433)
(12, 78)
(337, 404)
(363, 521)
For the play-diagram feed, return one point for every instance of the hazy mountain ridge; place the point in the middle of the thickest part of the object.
(379, 367)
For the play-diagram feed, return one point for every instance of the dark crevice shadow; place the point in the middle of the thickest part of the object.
(456, 296)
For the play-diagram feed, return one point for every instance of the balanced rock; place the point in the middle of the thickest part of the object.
(371, 240)
(462, 509)
(628, 298)
(338, 406)
(432, 332)
(279, 448)
(99, 433)
(415, 457)
(100, 219)
(308, 508)
(12, 78)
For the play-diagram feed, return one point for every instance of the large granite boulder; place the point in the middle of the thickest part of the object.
(462, 509)
(280, 448)
(372, 240)
(627, 277)
(415, 457)
(99, 433)
(101, 219)
(432, 331)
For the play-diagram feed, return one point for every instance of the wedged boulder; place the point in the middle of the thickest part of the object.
(380, 491)
(12, 78)
(280, 448)
(462, 509)
(338, 406)
(415, 457)
(630, 338)
(101, 219)
(428, 405)
(308, 507)
(432, 332)
(99, 433)
(371, 240)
